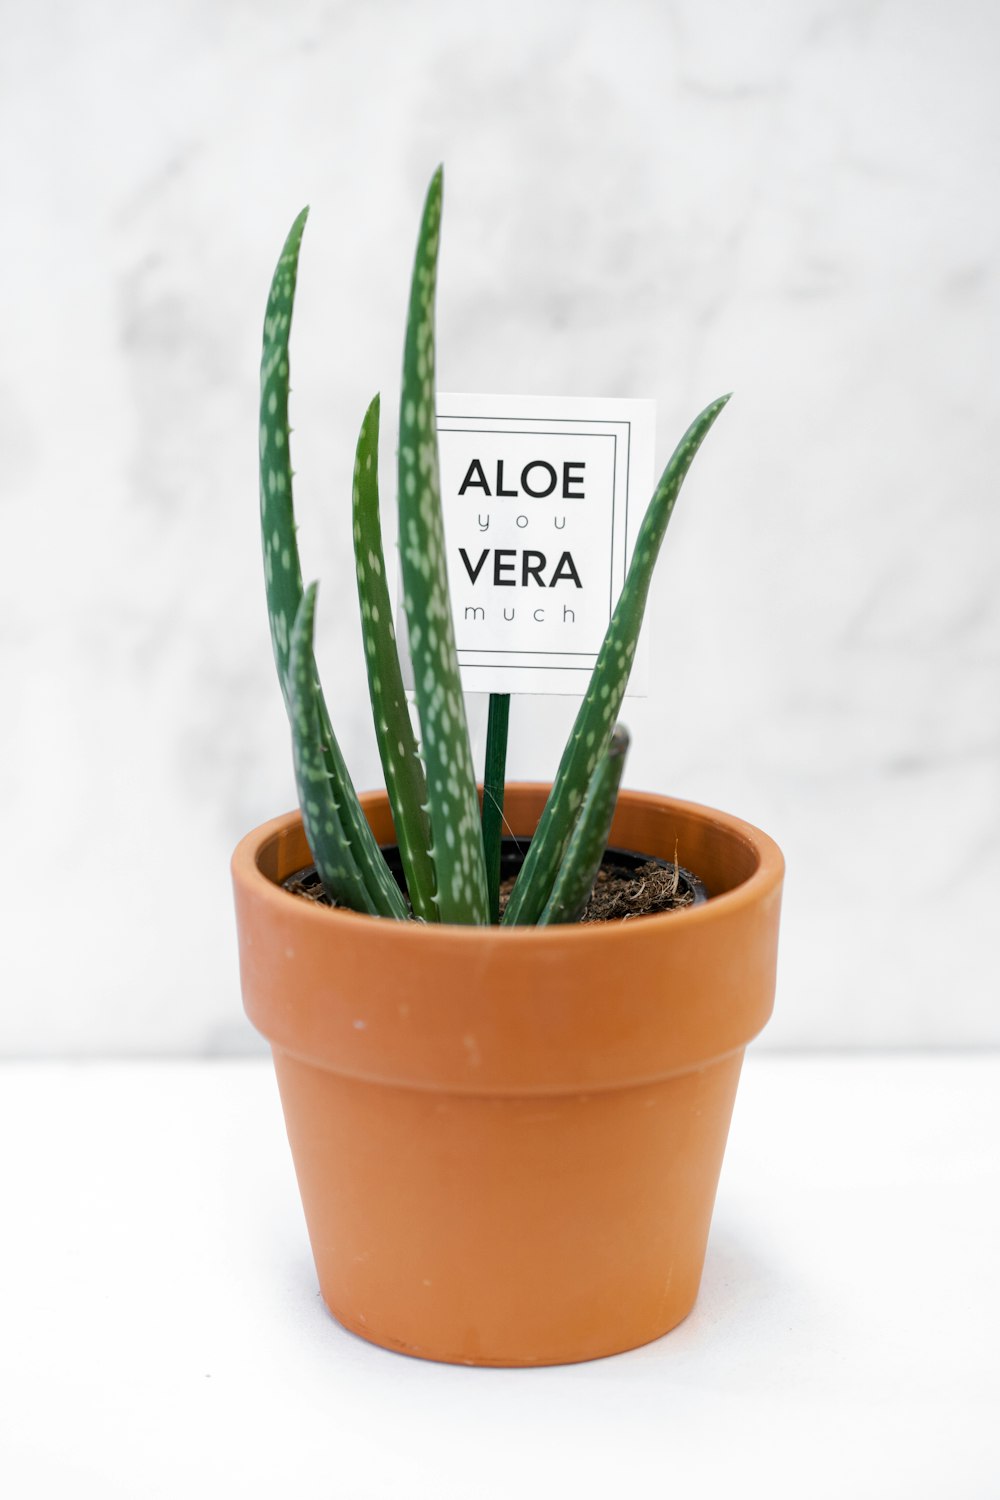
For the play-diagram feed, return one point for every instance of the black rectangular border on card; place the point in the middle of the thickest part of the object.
(550, 431)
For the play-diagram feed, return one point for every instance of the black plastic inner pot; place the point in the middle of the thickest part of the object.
(512, 854)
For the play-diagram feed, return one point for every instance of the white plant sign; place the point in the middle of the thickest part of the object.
(542, 500)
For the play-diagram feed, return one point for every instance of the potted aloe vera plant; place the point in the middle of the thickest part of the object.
(507, 1131)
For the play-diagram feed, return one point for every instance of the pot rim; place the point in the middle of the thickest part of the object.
(766, 877)
(513, 1011)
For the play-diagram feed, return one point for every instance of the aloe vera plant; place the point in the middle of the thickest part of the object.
(447, 848)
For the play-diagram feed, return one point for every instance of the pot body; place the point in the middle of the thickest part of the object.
(508, 1141)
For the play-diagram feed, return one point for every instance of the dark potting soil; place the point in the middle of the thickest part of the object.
(621, 892)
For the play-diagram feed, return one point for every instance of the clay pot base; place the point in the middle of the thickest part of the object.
(508, 1230)
(363, 1331)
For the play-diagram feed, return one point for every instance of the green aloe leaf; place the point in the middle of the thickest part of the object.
(452, 800)
(404, 773)
(321, 814)
(585, 851)
(606, 688)
(283, 572)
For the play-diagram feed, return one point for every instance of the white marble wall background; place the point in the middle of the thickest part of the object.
(795, 199)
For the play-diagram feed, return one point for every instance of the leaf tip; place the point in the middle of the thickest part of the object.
(620, 741)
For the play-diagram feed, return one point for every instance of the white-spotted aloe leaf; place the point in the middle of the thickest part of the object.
(452, 800)
(576, 875)
(606, 689)
(404, 773)
(283, 573)
(321, 814)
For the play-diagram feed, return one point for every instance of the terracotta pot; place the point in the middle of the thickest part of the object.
(508, 1141)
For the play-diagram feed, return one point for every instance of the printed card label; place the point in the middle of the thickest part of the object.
(542, 500)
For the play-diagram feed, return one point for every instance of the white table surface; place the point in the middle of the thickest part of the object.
(162, 1333)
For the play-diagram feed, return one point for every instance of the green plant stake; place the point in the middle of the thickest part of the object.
(494, 781)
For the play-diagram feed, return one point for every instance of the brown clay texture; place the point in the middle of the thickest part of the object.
(508, 1141)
